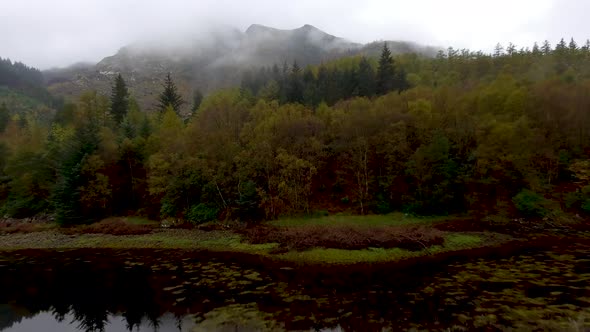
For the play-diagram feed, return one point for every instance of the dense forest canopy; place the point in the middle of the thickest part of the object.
(20, 83)
(504, 134)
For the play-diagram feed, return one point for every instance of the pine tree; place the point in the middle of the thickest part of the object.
(385, 72)
(366, 79)
(573, 46)
(511, 49)
(561, 46)
(536, 49)
(169, 97)
(119, 99)
(4, 117)
(66, 196)
(498, 50)
(295, 85)
(546, 48)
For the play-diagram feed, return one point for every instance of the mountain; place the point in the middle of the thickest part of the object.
(210, 61)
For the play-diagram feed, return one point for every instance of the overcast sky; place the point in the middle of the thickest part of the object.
(46, 33)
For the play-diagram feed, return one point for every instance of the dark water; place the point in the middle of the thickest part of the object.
(190, 291)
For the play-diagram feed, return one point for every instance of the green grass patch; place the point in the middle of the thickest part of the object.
(453, 242)
(341, 256)
(462, 240)
(392, 219)
(234, 243)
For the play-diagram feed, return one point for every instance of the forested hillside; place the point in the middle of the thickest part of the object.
(499, 136)
(23, 87)
(211, 61)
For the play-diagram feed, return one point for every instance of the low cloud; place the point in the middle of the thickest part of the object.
(61, 32)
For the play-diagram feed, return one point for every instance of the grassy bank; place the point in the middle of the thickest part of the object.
(378, 236)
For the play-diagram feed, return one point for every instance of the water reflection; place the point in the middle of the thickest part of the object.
(50, 322)
(188, 291)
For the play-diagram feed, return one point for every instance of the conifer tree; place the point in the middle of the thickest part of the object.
(498, 50)
(4, 117)
(536, 49)
(366, 79)
(573, 46)
(385, 72)
(546, 48)
(119, 99)
(169, 97)
(295, 85)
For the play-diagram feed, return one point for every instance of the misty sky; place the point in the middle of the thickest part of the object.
(45, 33)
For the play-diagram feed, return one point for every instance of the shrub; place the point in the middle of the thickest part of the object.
(382, 206)
(201, 213)
(579, 199)
(531, 204)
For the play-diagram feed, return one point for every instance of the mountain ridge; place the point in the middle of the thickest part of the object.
(212, 61)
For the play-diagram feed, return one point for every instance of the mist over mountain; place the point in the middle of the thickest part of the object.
(211, 61)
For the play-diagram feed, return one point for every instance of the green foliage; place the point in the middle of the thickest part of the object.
(349, 134)
(197, 100)
(201, 213)
(4, 117)
(29, 185)
(248, 202)
(70, 178)
(119, 99)
(531, 204)
(579, 199)
(170, 96)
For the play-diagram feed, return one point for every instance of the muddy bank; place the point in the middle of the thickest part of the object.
(56, 239)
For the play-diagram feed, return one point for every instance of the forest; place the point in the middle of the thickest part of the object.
(501, 136)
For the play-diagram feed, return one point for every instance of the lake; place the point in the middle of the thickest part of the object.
(175, 290)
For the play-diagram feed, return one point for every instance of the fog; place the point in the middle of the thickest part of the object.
(62, 32)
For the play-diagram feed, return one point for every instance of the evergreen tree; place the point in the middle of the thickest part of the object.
(386, 72)
(295, 85)
(546, 48)
(169, 97)
(536, 49)
(310, 91)
(561, 46)
(66, 196)
(498, 50)
(119, 99)
(511, 49)
(573, 46)
(366, 79)
(4, 117)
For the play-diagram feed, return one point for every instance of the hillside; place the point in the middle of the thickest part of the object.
(212, 62)
(23, 88)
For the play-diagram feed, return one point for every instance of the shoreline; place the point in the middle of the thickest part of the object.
(227, 244)
(395, 239)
